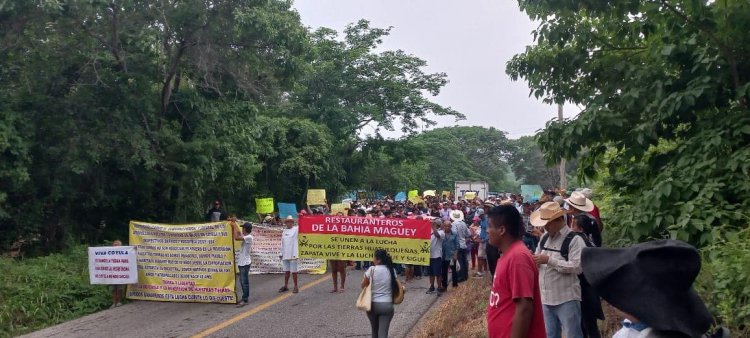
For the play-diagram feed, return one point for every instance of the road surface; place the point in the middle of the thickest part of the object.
(314, 312)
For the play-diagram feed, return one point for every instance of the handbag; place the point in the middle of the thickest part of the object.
(398, 296)
(364, 301)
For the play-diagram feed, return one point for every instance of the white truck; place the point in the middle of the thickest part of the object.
(480, 187)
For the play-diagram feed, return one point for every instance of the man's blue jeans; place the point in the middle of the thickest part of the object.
(245, 281)
(564, 317)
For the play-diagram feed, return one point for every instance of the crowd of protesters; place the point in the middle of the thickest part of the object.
(534, 252)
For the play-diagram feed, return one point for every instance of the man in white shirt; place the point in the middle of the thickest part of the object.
(559, 258)
(289, 253)
(462, 232)
(243, 259)
(436, 254)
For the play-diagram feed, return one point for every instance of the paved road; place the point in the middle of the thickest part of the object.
(314, 312)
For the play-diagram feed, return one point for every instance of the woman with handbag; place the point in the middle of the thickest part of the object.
(380, 281)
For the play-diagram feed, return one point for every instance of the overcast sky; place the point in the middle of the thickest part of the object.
(470, 40)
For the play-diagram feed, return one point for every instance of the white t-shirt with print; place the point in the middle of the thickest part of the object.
(244, 257)
(436, 245)
(289, 243)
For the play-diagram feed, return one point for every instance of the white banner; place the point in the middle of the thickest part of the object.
(113, 265)
(266, 250)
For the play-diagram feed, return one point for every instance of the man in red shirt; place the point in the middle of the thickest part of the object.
(515, 308)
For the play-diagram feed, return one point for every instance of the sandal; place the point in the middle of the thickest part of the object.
(334, 291)
(284, 289)
(296, 290)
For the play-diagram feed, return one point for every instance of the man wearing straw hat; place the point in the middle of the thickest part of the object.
(559, 258)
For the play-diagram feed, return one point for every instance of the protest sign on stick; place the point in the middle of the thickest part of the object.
(400, 197)
(113, 265)
(316, 197)
(287, 209)
(337, 208)
(264, 205)
(531, 192)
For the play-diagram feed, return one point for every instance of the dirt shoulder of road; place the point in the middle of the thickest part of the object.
(461, 312)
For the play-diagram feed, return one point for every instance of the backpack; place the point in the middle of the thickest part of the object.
(588, 294)
(565, 247)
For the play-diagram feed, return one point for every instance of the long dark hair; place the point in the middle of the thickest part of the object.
(590, 229)
(386, 259)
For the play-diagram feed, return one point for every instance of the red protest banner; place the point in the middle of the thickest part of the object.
(356, 238)
(363, 226)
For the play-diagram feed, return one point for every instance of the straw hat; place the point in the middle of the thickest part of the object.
(548, 212)
(456, 215)
(579, 201)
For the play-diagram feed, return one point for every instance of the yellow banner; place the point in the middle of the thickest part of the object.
(316, 197)
(412, 193)
(264, 205)
(183, 263)
(470, 195)
(445, 194)
(428, 193)
(361, 248)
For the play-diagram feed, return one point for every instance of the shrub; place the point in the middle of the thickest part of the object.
(724, 282)
(40, 292)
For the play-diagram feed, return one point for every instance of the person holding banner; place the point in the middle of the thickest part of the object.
(436, 255)
(338, 267)
(243, 260)
(289, 253)
(117, 289)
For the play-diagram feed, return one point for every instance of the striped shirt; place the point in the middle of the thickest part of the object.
(558, 279)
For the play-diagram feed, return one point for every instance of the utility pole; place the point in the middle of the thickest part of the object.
(563, 178)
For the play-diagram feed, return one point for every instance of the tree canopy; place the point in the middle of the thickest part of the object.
(112, 111)
(664, 87)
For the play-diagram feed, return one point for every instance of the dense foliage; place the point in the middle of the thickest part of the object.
(44, 291)
(151, 110)
(529, 166)
(665, 125)
(665, 89)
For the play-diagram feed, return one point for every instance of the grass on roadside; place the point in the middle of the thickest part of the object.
(39, 292)
(463, 312)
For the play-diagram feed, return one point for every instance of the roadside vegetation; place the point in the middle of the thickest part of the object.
(462, 312)
(39, 292)
(664, 131)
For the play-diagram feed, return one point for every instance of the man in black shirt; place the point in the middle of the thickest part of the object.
(215, 214)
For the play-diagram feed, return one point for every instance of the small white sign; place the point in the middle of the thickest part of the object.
(113, 265)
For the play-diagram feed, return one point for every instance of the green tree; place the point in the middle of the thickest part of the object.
(117, 111)
(464, 153)
(530, 167)
(665, 90)
(347, 85)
